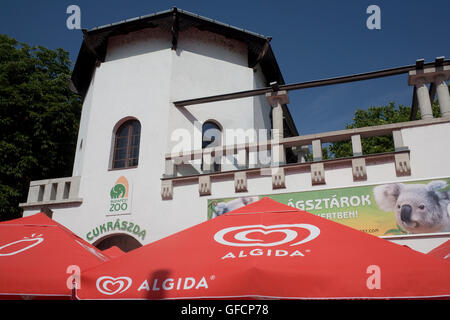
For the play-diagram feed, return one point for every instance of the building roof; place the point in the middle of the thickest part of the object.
(93, 47)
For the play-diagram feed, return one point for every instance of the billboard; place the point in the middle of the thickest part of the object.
(397, 208)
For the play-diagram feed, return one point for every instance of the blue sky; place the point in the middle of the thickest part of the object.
(311, 40)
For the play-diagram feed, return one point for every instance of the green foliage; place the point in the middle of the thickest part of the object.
(325, 155)
(375, 116)
(395, 231)
(39, 119)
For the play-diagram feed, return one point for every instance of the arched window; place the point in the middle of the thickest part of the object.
(126, 145)
(211, 137)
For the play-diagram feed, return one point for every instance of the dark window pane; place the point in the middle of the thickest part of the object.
(123, 131)
(211, 137)
(119, 164)
(134, 153)
(126, 146)
(136, 128)
(211, 134)
(132, 162)
(121, 142)
(121, 154)
(135, 140)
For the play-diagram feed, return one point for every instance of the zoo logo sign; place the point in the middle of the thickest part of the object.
(120, 197)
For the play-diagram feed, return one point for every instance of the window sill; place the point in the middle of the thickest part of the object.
(126, 168)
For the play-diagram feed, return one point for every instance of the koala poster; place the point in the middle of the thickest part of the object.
(397, 208)
(220, 206)
(418, 207)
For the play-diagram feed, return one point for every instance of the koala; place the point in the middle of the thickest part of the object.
(418, 208)
(224, 207)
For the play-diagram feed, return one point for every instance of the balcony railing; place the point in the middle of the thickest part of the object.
(400, 157)
(47, 192)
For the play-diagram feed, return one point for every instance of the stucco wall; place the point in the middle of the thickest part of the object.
(206, 64)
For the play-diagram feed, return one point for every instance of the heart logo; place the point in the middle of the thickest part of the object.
(238, 236)
(109, 285)
(23, 244)
(288, 236)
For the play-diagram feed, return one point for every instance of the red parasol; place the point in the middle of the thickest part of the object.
(113, 252)
(268, 250)
(442, 251)
(39, 258)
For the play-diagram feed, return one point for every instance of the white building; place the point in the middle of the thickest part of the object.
(140, 80)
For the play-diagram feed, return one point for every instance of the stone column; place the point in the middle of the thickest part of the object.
(443, 95)
(276, 100)
(423, 98)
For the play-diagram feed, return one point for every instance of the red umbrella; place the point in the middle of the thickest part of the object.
(442, 251)
(268, 250)
(113, 252)
(38, 256)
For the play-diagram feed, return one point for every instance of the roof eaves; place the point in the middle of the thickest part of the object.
(268, 62)
(221, 23)
(194, 15)
(130, 19)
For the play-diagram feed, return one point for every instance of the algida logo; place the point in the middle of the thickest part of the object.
(109, 285)
(120, 197)
(261, 240)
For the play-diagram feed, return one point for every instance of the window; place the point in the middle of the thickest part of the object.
(211, 137)
(126, 145)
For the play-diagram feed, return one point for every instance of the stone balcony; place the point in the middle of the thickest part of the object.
(317, 168)
(49, 192)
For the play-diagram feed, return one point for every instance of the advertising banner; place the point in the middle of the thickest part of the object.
(397, 208)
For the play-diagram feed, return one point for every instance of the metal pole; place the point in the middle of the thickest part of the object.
(304, 85)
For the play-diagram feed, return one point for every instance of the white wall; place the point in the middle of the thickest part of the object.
(261, 108)
(207, 64)
(430, 149)
(83, 129)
